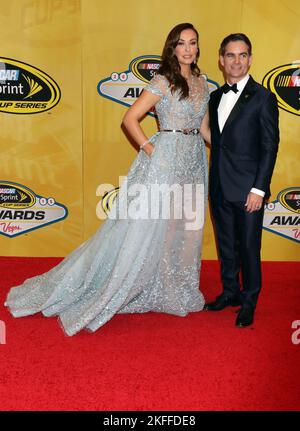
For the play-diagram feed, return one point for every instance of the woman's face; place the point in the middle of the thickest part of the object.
(187, 47)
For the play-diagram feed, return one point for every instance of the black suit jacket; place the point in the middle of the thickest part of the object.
(244, 154)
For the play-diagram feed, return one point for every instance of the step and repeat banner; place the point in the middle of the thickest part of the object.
(69, 69)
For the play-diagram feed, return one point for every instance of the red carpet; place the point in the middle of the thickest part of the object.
(156, 361)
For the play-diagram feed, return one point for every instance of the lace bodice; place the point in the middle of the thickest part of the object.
(179, 114)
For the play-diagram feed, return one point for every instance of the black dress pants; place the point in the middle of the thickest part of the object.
(239, 243)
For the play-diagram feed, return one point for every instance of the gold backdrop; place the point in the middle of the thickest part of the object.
(68, 151)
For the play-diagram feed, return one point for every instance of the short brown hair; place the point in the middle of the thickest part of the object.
(234, 37)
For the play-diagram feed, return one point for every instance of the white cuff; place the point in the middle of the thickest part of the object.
(257, 192)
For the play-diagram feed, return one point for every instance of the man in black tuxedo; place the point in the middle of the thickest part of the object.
(244, 144)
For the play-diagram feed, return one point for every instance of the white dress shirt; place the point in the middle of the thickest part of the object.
(226, 105)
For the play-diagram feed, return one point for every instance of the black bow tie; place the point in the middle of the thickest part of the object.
(228, 87)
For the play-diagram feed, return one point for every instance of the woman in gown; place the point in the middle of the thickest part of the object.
(137, 263)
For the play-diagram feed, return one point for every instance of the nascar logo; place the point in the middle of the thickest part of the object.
(25, 89)
(22, 210)
(282, 215)
(284, 81)
(126, 86)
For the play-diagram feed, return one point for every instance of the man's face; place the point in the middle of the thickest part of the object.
(236, 61)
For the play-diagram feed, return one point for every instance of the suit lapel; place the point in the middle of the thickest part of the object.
(215, 103)
(242, 101)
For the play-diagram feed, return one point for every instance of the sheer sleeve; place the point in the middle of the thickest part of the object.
(157, 85)
(206, 92)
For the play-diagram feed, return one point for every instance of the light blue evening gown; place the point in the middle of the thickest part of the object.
(134, 265)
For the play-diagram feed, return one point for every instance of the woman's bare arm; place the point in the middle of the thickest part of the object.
(205, 129)
(133, 116)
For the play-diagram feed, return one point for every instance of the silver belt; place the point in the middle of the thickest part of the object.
(184, 131)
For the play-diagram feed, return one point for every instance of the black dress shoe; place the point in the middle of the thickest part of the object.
(245, 317)
(222, 302)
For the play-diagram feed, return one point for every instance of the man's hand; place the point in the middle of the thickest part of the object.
(254, 202)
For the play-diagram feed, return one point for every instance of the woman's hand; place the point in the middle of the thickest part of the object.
(148, 148)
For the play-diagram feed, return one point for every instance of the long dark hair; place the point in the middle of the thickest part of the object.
(170, 66)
